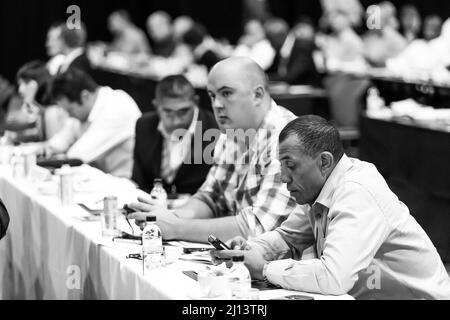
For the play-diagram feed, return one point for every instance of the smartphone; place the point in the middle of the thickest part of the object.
(217, 243)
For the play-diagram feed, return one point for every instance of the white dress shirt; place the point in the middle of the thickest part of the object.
(175, 150)
(366, 242)
(106, 139)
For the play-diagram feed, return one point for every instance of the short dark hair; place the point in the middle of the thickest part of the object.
(176, 86)
(74, 38)
(70, 84)
(37, 70)
(315, 135)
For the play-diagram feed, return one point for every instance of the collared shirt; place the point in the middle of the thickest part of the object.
(106, 139)
(245, 181)
(175, 150)
(366, 242)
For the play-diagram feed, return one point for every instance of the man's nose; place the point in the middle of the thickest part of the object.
(285, 177)
(216, 104)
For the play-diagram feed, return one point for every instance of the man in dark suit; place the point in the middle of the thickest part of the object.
(4, 219)
(294, 61)
(165, 146)
(74, 43)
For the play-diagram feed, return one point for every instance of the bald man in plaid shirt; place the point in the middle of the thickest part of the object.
(243, 194)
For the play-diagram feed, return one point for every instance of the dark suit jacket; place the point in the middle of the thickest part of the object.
(4, 220)
(147, 156)
(82, 63)
(300, 65)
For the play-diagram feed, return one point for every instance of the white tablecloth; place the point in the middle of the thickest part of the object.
(51, 253)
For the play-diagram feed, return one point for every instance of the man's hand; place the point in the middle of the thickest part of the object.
(238, 243)
(254, 260)
(165, 219)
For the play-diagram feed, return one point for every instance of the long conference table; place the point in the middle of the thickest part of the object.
(55, 252)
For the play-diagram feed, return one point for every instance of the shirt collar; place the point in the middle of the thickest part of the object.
(267, 124)
(70, 57)
(324, 198)
(191, 128)
(102, 93)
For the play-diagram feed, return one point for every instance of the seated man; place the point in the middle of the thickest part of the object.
(4, 220)
(128, 38)
(101, 131)
(73, 47)
(158, 153)
(366, 242)
(243, 194)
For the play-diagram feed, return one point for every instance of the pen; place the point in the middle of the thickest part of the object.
(191, 250)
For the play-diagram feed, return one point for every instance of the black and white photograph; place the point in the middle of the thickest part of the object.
(224, 154)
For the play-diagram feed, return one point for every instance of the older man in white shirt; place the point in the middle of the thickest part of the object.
(364, 240)
(101, 131)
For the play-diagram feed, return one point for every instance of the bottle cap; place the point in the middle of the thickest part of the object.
(239, 258)
(159, 180)
(150, 219)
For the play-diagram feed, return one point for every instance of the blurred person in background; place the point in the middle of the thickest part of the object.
(159, 152)
(55, 47)
(384, 41)
(197, 39)
(343, 49)
(255, 45)
(128, 38)
(181, 25)
(410, 22)
(37, 119)
(432, 26)
(160, 30)
(343, 54)
(102, 125)
(294, 49)
(169, 56)
(74, 49)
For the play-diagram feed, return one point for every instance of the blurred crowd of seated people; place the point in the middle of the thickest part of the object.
(348, 39)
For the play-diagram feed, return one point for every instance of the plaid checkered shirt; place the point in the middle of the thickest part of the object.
(245, 180)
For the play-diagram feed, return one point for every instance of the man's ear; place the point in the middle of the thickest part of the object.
(259, 94)
(326, 161)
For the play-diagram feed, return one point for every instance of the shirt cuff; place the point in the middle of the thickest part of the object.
(275, 270)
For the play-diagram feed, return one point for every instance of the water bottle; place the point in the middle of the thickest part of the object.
(66, 188)
(240, 279)
(109, 217)
(158, 193)
(152, 246)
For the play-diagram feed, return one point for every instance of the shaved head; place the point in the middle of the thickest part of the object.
(238, 90)
(241, 70)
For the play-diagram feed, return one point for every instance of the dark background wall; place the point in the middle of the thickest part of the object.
(24, 23)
